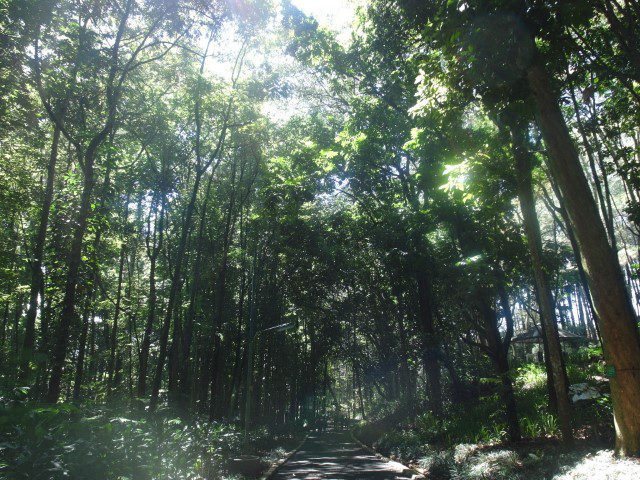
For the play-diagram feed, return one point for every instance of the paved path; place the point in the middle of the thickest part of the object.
(334, 455)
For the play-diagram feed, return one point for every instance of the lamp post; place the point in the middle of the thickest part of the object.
(252, 336)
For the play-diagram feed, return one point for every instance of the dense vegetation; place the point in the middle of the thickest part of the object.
(223, 223)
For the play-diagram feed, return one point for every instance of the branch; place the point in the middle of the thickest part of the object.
(41, 93)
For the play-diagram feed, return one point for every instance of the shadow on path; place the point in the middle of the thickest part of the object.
(334, 455)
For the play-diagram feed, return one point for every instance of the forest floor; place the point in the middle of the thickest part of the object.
(531, 459)
(468, 441)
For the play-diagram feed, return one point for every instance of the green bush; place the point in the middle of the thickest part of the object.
(405, 444)
(530, 376)
(62, 441)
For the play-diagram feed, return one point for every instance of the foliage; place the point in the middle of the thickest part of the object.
(219, 216)
(64, 441)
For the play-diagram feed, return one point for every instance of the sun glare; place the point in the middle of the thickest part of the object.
(337, 15)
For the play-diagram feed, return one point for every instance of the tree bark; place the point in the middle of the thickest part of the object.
(618, 323)
(36, 264)
(113, 341)
(74, 260)
(185, 363)
(176, 283)
(524, 165)
(430, 345)
(498, 350)
(82, 348)
(152, 253)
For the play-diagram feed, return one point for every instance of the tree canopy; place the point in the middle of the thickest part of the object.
(230, 211)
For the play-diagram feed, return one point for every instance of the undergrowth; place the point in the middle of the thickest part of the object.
(96, 442)
(469, 441)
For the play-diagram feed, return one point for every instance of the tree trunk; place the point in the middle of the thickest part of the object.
(498, 352)
(74, 260)
(176, 283)
(152, 253)
(430, 345)
(82, 348)
(113, 341)
(618, 323)
(524, 164)
(579, 262)
(36, 264)
(185, 363)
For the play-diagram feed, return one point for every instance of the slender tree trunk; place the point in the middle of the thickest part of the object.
(405, 373)
(113, 341)
(74, 260)
(618, 323)
(176, 280)
(218, 361)
(176, 283)
(36, 264)
(3, 329)
(153, 252)
(185, 363)
(88, 156)
(605, 207)
(82, 348)
(498, 352)
(430, 345)
(593, 315)
(175, 353)
(524, 164)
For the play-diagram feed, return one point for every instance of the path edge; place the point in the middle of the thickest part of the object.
(275, 466)
(382, 457)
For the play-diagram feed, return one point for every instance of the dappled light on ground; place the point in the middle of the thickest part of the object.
(334, 455)
(600, 466)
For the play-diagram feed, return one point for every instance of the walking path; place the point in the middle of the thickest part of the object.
(334, 455)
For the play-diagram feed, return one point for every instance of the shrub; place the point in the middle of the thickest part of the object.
(63, 441)
(405, 444)
(530, 376)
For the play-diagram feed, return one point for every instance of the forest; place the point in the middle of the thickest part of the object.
(304, 239)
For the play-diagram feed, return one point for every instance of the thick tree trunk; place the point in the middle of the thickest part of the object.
(618, 323)
(524, 164)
